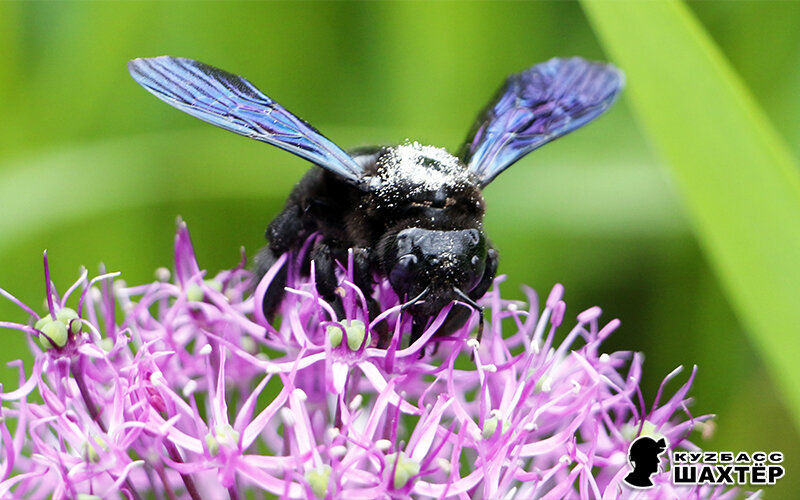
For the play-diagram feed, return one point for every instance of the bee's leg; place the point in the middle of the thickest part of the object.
(287, 229)
(265, 259)
(459, 314)
(362, 274)
(455, 319)
(283, 233)
(490, 271)
(418, 325)
(325, 275)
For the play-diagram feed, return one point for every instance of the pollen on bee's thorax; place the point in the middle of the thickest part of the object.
(418, 169)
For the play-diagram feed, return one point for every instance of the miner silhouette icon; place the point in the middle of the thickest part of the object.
(643, 456)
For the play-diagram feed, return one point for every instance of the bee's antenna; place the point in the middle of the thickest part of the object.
(466, 299)
(415, 299)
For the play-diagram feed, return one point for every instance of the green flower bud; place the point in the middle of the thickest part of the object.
(212, 444)
(70, 319)
(214, 285)
(406, 468)
(55, 331)
(356, 330)
(629, 432)
(194, 293)
(106, 344)
(490, 427)
(223, 435)
(90, 450)
(75, 326)
(66, 315)
(249, 345)
(43, 321)
(318, 479)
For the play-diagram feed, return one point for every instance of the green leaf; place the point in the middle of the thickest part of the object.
(739, 182)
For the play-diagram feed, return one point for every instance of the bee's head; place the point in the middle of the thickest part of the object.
(433, 263)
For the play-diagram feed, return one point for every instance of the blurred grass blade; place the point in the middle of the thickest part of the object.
(737, 178)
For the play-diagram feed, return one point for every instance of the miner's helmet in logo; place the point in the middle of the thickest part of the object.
(643, 457)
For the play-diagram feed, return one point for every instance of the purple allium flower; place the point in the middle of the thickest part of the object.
(191, 393)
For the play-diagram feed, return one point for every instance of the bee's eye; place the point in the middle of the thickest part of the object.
(406, 263)
(475, 261)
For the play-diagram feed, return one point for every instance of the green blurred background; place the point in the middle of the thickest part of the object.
(95, 169)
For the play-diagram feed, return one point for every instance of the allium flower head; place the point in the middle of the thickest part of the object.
(190, 392)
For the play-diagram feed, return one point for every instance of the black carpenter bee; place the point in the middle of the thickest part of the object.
(412, 214)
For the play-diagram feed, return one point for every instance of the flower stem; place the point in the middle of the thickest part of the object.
(77, 374)
(167, 487)
(76, 367)
(175, 456)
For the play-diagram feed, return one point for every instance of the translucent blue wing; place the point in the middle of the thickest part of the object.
(231, 102)
(536, 106)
